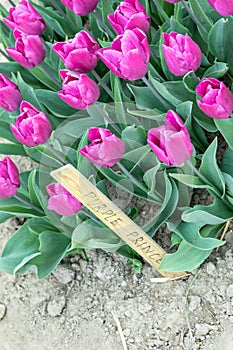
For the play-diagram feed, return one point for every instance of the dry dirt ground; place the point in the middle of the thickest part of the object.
(73, 308)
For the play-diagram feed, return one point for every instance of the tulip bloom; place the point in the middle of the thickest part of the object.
(129, 14)
(78, 53)
(223, 7)
(62, 201)
(26, 19)
(9, 178)
(10, 96)
(128, 56)
(171, 142)
(105, 150)
(28, 51)
(216, 99)
(181, 53)
(32, 127)
(78, 90)
(80, 7)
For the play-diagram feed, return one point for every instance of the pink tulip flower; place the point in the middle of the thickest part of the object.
(216, 99)
(10, 96)
(32, 127)
(9, 178)
(62, 201)
(28, 51)
(181, 53)
(129, 14)
(105, 150)
(25, 18)
(171, 142)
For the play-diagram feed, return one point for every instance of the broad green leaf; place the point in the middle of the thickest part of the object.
(220, 41)
(227, 162)
(190, 233)
(11, 149)
(54, 104)
(214, 214)
(225, 126)
(208, 163)
(53, 246)
(22, 244)
(188, 258)
(167, 209)
(216, 71)
(88, 235)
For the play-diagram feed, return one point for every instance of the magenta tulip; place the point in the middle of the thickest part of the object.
(10, 96)
(105, 150)
(128, 56)
(78, 53)
(32, 127)
(78, 90)
(223, 7)
(62, 201)
(28, 51)
(9, 178)
(181, 53)
(129, 14)
(80, 7)
(26, 19)
(216, 99)
(171, 142)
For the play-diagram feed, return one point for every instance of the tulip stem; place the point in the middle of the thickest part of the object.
(29, 204)
(62, 13)
(195, 77)
(12, 2)
(56, 153)
(90, 216)
(194, 18)
(159, 7)
(157, 95)
(103, 25)
(134, 180)
(47, 72)
(108, 120)
(196, 171)
(102, 83)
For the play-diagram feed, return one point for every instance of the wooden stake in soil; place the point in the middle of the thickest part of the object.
(113, 217)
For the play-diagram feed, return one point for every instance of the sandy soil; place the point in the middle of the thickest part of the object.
(73, 308)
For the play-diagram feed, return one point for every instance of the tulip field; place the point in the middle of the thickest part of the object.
(137, 96)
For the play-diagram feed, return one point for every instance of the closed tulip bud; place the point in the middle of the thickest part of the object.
(171, 142)
(32, 127)
(9, 178)
(128, 56)
(216, 99)
(78, 53)
(181, 53)
(10, 96)
(80, 7)
(129, 14)
(62, 201)
(105, 150)
(78, 90)
(28, 51)
(26, 19)
(223, 7)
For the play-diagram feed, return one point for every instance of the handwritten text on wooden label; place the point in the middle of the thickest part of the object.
(112, 216)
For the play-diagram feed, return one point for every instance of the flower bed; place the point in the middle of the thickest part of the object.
(129, 92)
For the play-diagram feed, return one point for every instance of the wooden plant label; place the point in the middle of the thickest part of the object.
(105, 210)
